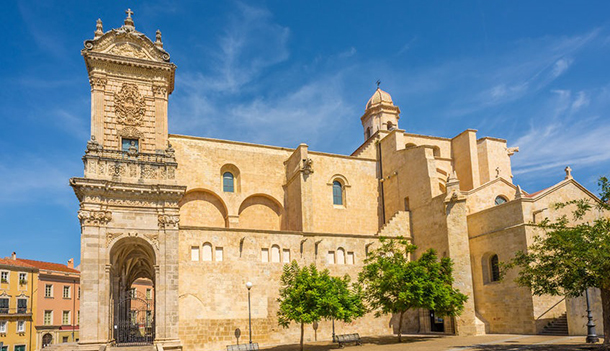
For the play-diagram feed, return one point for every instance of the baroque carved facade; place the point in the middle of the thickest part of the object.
(199, 217)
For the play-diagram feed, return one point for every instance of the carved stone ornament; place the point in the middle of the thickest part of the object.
(98, 82)
(128, 50)
(94, 217)
(168, 221)
(129, 105)
(93, 145)
(307, 167)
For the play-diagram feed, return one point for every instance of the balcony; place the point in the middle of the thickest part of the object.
(16, 312)
(130, 166)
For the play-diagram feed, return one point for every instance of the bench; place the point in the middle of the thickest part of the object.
(243, 347)
(348, 338)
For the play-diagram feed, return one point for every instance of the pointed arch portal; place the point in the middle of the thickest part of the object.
(132, 313)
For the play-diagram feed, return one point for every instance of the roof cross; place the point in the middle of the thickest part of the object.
(378, 83)
(129, 13)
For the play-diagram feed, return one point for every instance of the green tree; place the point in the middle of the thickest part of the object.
(308, 295)
(394, 284)
(572, 256)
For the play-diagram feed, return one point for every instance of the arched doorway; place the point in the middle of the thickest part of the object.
(132, 276)
(47, 340)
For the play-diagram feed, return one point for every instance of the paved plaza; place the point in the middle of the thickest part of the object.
(495, 342)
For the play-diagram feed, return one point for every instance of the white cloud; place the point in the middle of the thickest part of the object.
(31, 178)
(574, 133)
(561, 66)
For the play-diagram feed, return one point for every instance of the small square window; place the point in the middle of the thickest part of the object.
(64, 339)
(218, 251)
(350, 258)
(195, 253)
(48, 290)
(48, 317)
(20, 326)
(23, 278)
(331, 257)
(65, 318)
(66, 294)
(129, 144)
(4, 305)
(148, 294)
(4, 277)
(3, 325)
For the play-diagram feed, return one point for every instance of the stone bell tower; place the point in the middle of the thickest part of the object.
(380, 114)
(128, 195)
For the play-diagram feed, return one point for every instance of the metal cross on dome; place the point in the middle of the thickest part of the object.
(378, 83)
(129, 13)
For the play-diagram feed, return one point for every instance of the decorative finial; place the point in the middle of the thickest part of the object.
(158, 42)
(568, 172)
(518, 192)
(99, 29)
(378, 83)
(129, 20)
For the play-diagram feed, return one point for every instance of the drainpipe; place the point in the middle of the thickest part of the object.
(31, 308)
(381, 180)
(73, 306)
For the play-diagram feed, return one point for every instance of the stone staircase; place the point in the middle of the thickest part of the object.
(558, 326)
(399, 224)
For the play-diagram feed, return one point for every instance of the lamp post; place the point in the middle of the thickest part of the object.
(249, 286)
(333, 330)
(591, 335)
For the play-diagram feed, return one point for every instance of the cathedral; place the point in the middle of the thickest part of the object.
(201, 217)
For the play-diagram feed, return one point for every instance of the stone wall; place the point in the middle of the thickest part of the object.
(213, 296)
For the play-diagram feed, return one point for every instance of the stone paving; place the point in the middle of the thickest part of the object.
(493, 342)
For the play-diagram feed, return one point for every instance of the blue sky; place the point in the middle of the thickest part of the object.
(286, 72)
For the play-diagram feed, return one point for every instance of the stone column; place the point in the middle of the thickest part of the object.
(94, 284)
(459, 252)
(98, 85)
(160, 93)
(167, 281)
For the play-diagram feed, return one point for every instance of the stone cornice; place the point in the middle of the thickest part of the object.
(126, 194)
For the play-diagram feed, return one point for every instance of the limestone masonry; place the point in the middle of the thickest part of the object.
(200, 217)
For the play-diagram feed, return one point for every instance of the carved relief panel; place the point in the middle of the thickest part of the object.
(129, 105)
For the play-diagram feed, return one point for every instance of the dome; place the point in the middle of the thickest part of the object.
(378, 97)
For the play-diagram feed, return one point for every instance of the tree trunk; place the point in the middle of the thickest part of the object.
(400, 326)
(302, 332)
(606, 316)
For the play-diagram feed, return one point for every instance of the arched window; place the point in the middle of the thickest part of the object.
(275, 253)
(47, 340)
(340, 256)
(337, 193)
(206, 253)
(500, 200)
(227, 182)
(368, 133)
(494, 266)
(390, 125)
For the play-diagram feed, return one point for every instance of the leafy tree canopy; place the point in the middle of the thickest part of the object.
(573, 254)
(308, 295)
(394, 284)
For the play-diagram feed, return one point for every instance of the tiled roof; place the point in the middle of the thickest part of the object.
(15, 263)
(48, 266)
(536, 193)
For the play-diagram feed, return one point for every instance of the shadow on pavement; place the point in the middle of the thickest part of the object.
(382, 340)
(521, 347)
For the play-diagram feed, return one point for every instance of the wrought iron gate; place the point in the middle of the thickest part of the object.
(135, 324)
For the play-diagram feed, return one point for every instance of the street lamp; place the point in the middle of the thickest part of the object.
(249, 286)
(591, 335)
